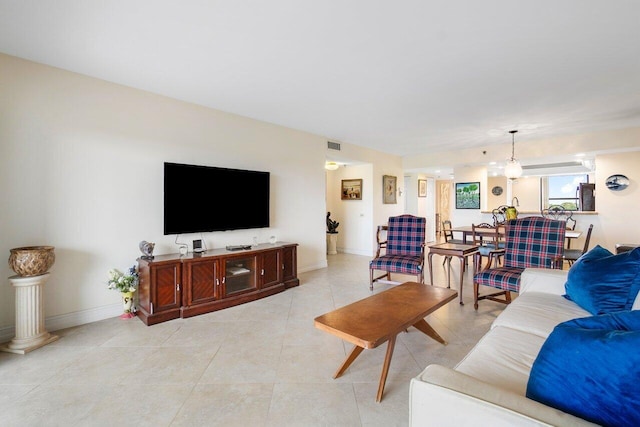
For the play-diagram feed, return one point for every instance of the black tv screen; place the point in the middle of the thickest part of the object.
(206, 198)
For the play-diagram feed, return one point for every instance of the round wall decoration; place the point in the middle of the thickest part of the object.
(496, 191)
(617, 182)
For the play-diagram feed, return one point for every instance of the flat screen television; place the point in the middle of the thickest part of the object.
(206, 198)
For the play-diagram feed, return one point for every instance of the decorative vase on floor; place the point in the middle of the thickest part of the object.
(127, 304)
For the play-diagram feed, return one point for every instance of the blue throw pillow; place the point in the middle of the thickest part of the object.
(590, 368)
(601, 282)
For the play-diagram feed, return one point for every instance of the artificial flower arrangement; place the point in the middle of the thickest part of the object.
(123, 282)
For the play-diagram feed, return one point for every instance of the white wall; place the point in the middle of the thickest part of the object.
(81, 162)
(615, 210)
(421, 206)
(617, 218)
(468, 216)
(355, 216)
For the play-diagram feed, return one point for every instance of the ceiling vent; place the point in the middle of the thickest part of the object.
(552, 165)
(562, 168)
(333, 145)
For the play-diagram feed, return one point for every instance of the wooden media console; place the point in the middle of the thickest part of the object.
(173, 286)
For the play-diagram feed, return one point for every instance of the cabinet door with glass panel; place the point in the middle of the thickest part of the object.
(239, 275)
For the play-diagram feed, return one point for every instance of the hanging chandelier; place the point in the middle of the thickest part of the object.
(513, 169)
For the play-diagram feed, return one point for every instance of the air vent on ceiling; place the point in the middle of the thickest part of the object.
(333, 145)
(552, 165)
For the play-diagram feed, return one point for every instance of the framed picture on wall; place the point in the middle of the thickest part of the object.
(389, 186)
(467, 195)
(422, 188)
(351, 189)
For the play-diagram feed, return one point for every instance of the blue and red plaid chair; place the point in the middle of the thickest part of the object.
(529, 242)
(404, 248)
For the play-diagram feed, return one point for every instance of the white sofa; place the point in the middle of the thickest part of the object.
(488, 386)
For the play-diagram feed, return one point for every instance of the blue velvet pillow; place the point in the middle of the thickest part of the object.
(601, 282)
(590, 368)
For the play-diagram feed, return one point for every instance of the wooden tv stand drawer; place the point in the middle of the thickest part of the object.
(173, 286)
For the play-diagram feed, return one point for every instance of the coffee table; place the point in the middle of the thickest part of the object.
(379, 318)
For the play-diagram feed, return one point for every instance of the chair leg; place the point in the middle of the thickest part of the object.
(371, 279)
(476, 289)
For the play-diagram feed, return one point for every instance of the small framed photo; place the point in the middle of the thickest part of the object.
(467, 195)
(351, 189)
(389, 186)
(422, 188)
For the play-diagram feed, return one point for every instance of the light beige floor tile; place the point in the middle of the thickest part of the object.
(226, 405)
(259, 363)
(137, 404)
(392, 410)
(169, 365)
(200, 334)
(241, 365)
(324, 404)
(55, 405)
(39, 366)
(102, 365)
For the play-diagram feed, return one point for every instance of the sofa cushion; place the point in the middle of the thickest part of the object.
(503, 357)
(601, 282)
(538, 313)
(590, 367)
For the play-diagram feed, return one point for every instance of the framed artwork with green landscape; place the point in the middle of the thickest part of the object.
(467, 195)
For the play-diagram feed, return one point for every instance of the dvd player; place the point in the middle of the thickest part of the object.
(238, 247)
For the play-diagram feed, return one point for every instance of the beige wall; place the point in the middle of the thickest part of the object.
(615, 210)
(359, 219)
(617, 219)
(82, 170)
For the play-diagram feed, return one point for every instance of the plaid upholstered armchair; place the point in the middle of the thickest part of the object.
(403, 248)
(529, 242)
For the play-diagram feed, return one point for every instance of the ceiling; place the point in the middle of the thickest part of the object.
(403, 77)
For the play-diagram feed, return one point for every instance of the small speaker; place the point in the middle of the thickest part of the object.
(197, 246)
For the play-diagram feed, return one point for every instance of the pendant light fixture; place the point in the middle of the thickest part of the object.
(513, 170)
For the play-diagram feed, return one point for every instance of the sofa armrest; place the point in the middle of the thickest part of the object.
(441, 396)
(546, 280)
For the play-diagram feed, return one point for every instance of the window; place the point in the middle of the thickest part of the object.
(562, 190)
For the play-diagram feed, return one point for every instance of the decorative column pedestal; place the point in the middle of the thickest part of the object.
(30, 331)
(332, 241)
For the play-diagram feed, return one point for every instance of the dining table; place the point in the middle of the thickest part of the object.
(467, 230)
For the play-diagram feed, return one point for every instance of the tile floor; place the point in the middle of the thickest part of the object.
(258, 364)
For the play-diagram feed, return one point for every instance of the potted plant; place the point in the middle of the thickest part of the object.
(126, 284)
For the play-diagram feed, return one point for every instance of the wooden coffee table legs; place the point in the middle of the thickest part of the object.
(421, 325)
(426, 328)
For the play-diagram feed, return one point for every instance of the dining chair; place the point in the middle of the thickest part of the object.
(559, 212)
(529, 242)
(448, 233)
(499, 215)
(488, 239)
(403, 248)
(572, 255)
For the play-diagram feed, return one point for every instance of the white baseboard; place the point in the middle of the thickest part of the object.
(312, 267)
(69, 320)
(355, 252)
